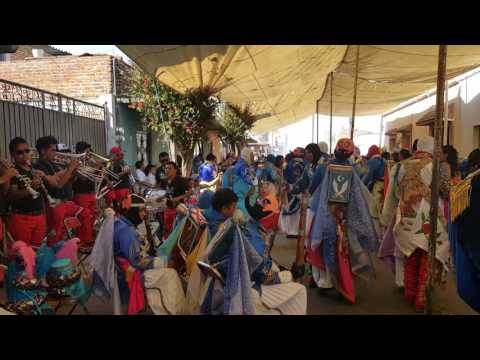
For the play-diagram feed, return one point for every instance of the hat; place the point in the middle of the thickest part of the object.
(345, 145)
(323, 147)
(426, 144)
(62, 273)
(115, 150)
(372, 151)
(62, 147)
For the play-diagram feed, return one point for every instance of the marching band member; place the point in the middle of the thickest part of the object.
(122, 190)
(6, 175)
(84, 190)
(55, 180)
(28, 221)
(178, 191)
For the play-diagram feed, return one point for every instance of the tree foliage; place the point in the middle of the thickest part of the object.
(236, 122)
(184, 118)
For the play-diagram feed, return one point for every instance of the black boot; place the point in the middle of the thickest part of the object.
(297, 271)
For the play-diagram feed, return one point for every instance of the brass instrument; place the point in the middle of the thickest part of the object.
(51, 201)
(25, 180)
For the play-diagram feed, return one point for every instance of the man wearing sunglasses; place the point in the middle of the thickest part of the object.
(161, 175)
(55, 179)
(28, 221)
(122, 190)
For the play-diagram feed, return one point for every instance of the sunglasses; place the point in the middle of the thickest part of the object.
(21, 152)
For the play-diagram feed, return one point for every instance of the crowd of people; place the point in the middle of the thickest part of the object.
(212, 250)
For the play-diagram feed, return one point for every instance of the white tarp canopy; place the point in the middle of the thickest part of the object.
(281, 83)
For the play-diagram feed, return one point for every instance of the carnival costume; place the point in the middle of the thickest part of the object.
(343, 233)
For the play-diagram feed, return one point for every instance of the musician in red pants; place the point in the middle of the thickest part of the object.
(84, 190)
(55, 179)
(6, 175)
(122, 190)
(28, 222)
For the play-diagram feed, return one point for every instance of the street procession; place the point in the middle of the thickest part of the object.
(239, 179)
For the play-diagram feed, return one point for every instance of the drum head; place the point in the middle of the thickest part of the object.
(153, 194)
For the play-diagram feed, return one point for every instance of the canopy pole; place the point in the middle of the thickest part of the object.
(380, 140)
(313, 127)
(317, 119)
(432, 245)
(445, 125)
(331, 112)
(355, 93)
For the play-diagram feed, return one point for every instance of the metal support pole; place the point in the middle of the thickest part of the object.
(355, 93)
(381, 132)
(313, 127)
(432, 246)
(331, 112)
(317, 119)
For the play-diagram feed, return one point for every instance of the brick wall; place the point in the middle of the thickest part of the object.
(82, 77)
(23, 51)
(123, 72)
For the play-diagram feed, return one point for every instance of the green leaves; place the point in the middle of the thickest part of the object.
(186, 118)
(236, 122)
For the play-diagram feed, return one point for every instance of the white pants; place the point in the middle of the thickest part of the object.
(322, 278)
(281, 299)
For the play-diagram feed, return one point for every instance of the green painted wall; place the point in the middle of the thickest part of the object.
(130, 121)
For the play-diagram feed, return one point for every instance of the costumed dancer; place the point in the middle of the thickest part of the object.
(312, 158)
(389, 250)
(463, 234)
(290, 216)
(228, 172)
(324, 157)
(235, 276)
(122, 265)
(374, 178)
(343, 233)
(244, 179)
(411, 230)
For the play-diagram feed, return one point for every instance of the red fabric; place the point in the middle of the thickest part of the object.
(136, 302)
(270, 222)
(386, 181)
(346, 146)
(345, 277)
(416, 269)
(56, 216)
(117, 195)
(373, 150)
(445, 209)
(315, 257)
(115, 150)
(168, 220)
(89, 203)
(31, 229)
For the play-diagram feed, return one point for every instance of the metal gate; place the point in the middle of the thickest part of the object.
(32, 113)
